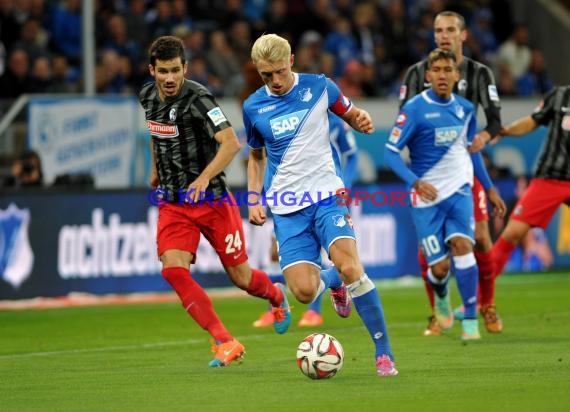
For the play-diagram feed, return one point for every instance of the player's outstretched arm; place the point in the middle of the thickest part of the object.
(519, 127)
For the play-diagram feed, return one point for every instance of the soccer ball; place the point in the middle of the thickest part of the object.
(320, 356)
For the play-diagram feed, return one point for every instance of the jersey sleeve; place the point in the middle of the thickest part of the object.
(339, 104)
(143, 95)
(402, 131)
(544, 112)
(481, 171)
(395, 162)
(489, 100)
(411, 85)
(207, 109)
(254, 139)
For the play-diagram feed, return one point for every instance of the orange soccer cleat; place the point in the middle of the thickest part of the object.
(265, 320)
(226, 352)
(493, 322)
(433, 328)
(311, 318)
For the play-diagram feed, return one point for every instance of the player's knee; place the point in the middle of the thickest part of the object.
(350, 270)
(483, 241)
(460, 246)
(175, 258)
(515, 231)
(303, 293)
(441, 269)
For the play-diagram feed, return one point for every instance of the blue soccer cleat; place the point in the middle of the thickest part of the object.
(443, 312)
(282, 314)
(459, 313)
(470, 330)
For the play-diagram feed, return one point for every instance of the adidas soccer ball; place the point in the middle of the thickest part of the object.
(320, 356)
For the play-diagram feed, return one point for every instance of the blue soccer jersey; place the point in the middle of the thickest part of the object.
(294, 129)
(437, 132)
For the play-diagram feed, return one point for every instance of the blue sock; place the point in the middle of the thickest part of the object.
(316, 304)
(331, 278)
(277, 279)
(369, 307)
(439, 285)
(467, 275)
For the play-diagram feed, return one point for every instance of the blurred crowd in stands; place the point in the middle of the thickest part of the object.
(364, 45)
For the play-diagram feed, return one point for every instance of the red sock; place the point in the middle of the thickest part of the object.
(501, 252)
(423, 271)
(486, 266)
(196, 302)
(262, 287)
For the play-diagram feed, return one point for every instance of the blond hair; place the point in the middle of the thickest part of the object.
(271, 48)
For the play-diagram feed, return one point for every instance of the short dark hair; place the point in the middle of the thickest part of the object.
(440, 54)
(166, 48)
(459, 17)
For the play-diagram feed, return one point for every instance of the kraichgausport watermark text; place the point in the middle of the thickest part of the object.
(342, 197)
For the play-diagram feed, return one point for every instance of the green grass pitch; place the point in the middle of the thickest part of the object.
(152, 357)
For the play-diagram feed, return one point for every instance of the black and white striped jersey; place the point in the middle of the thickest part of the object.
(182, 129)
(554, 111)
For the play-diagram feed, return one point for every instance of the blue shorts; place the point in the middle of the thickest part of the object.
(449, 218)
(301, 234)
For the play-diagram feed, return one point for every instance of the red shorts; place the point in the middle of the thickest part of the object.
(540, 201)
(179, 227)
(479, 201)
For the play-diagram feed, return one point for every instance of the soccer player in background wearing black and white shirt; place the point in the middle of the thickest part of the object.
(550, 186)
(192, 142)
(476, 84)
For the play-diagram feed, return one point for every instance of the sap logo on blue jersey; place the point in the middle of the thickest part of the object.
(444, 136)
(287, 125)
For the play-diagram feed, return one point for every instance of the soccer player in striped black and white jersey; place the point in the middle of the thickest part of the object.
(192, 142)
(550, 186)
